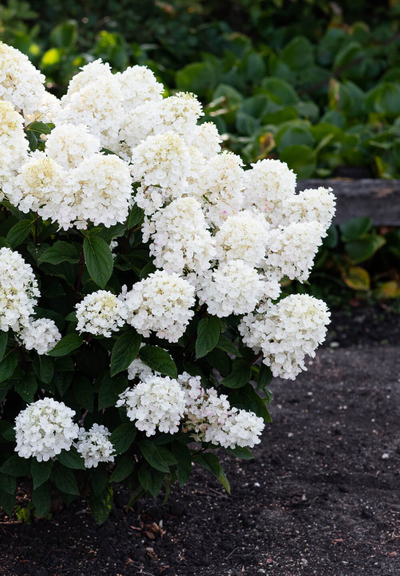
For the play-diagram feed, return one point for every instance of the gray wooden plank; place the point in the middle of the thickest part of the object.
(377, 199)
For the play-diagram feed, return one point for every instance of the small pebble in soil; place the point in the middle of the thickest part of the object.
(385, 456)
(257, 485)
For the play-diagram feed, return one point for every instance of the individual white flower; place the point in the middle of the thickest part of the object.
(91, 72)
(18, 291)
(44, 428)
(309, 206)
(164, 166)
(206, 138)
(39, 187)
(161, 303)
(179, 237)
(102, 190)
(157, 402)
(220, 187)
(69, 145)
(20, 82)
(94, 445)
(287, 332)
(40, 335)
(138, 369)
(291, 250)
(138, 86)
(98, 105)
(266, 184)
(232, 288)
(242, 237)
(178, 114)
(100, 313)
(209, 417)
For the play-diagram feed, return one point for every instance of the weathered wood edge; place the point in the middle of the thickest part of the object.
(377, 199)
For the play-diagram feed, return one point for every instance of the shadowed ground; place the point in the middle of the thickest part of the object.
(321, 498)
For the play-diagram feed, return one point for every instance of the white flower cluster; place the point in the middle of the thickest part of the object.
(157, 402)
(18, 291)
(286, 332)
(40, 335)
(94, 445)
(160, 303)
(100, 313)
(20, 82)
(163, 403)
(211, 418)
(13, 144)
(45, 428)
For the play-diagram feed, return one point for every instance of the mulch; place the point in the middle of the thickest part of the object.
(320, 498)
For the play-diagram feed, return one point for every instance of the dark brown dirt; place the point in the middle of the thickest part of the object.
(321, 498)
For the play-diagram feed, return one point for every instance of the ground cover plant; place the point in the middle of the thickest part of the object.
(142, 315)
(309, 83)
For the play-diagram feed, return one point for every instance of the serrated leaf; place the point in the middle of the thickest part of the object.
(26, 387)
(136, 216)
(241, 452)
(64, 479)
(43, 366)
(152, 454)
(228, 346)
(41, 498)
(60, 252)
(240, 375)
(158, 360)
(98, 259)
(208, 333)
(125, 351)
(40, 472)
(7, 366)
(123, 436)
(124, 468)
(19, 232)
(71, 459)
(66, 345)
(110, 389)
(16, 466)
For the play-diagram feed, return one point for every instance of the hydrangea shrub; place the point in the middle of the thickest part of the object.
(142, 316)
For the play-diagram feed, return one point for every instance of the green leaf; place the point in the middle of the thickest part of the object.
(66, 345)
(98, 258)
(123, 436)
(7, 483)
(26, 387)
(248, 399)
(135, 217)
(298, 54)
(71, 459)
(7, 366)
(158, 360)
(64, 479)
(264, 377)
(241, 452)
(19, 232)
(125, 351)
(154, 456)
(228, 346)
(99, 479)
(151, 480)
(110, 389)
(124, 468)
(184, 459)
(16, 466)
(60, 252)
(100, 506)
(208, 333)
(240, 375)
(43, 367)
(40, 472)
(82, 390)
(199, 77)
(7, 502)
(3, 344)
(39, 127)
(65, 34)
(364, 249)
(41, 498)
(301, 159)
(355, 228)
